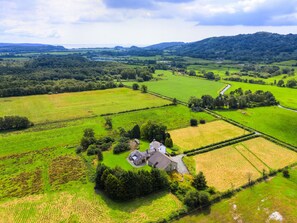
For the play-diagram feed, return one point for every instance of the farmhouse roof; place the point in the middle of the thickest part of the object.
(160, 160)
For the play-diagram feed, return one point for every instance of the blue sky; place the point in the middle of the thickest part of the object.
(140, 22)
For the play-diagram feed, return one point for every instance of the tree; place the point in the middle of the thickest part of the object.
(92, 150)
(192, 73)
(286, 173)
(168, 142)
(174, 101)
(99, 155)
(280, 83)
(108, 123)
(193, 122)
(199, 181)
(143, 88)
(135, 86)
(151, 130)
(209, 75)
(85, 142)
(89, 132)
(291, 83)
(135, 132)
(195, 199)
(112, 186)
(207, 101)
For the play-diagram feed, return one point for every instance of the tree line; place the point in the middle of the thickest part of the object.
(68, 73)
(236, 99)
(119, 184)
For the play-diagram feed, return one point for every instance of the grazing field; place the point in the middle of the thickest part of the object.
(182, 87)
(57, 107)
(82, 204)
(286, 96)
(260, 203)
(205, 134)
(70, 133)
(274, 121)
(53, 185)
(232, 166)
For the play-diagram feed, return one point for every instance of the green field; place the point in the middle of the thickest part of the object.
(255, 204)
(274, 121)
(70, 133)
(54, 185)
(48, 108)
(286, 96)
(182, 87)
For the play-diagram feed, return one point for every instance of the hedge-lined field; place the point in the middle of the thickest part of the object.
(255, 204)
(70, 133)
(52, 185)
(56, 107)
(286, 96)
(232, 166)
(205, 134)
(274, 121)
(182, 87)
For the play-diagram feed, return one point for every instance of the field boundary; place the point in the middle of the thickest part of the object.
(221, 144)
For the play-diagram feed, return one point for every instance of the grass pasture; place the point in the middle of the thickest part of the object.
(69, 133)
(52, 185)
(232, 166)
(182, 87)
(57, 107)
(255, 204)
(205, 134)
(274, 121)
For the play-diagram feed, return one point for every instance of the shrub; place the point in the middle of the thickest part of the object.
(108, 123)
(143, 88)
(92, 150)
(121, 147)
(195, 199)
(135, 86)
(286, 173)
(168, 142)
(89, 132)
(86, 142)
(193, 122)
(202, 121)
(79, 149)
(14, 123)
(100, 155)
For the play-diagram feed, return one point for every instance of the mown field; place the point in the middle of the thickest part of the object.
(54, 185)
(70, 133)
(274, 121)
(232, 166)
(260, 203)
(182, 87)
(57, 107)
(205, 134)
(286, 96)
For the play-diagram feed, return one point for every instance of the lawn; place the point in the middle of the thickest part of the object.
(255, 204)
(231, 166)
(274, 121)
(286, 96)
(70, 133)
(182, 87)
(57, 107)
(205, 134)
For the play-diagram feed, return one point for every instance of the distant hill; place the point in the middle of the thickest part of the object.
(261, 46)
(28, 47)
(164, 46)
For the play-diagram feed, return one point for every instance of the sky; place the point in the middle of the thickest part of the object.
(140, 22)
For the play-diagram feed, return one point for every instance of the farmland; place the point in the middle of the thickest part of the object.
(274, 121)
(255, 204)
(70, 132)
(182, 87)
(209, 133)
(57, 107)
(286, 96)
(232, 166)
(53, 185)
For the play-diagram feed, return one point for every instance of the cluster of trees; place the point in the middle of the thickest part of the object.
(292, 83)
(239, 79)
(151, 130)
(236, 99)
(122, 145)
(67, 73)
(122, 185)
(92, 145)
(14, 123)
